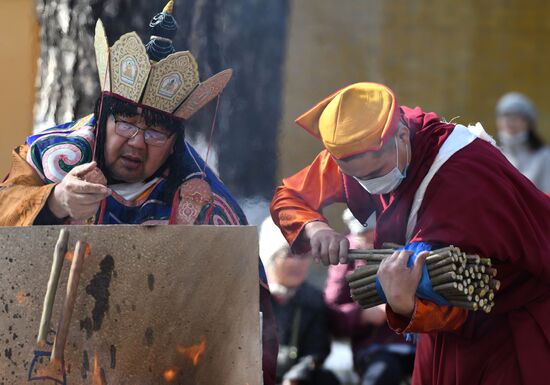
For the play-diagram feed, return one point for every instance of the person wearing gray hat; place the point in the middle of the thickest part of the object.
(300, 312)
(516, 120)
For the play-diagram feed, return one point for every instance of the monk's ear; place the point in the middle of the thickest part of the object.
(403, 132)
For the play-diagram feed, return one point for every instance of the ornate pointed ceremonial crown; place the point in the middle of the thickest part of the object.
(153, 75)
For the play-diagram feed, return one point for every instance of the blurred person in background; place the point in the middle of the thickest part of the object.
(516, 120)
(304, 339)
(381, 357)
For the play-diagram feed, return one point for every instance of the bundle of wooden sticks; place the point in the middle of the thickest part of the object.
(465, 280)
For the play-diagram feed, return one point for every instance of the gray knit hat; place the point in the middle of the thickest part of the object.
(271, 241)
(515, 103)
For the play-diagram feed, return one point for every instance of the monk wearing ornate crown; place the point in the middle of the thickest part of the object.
(128, 162)
(430, 183)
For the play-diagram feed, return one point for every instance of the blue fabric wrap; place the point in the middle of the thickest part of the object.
(424, 289)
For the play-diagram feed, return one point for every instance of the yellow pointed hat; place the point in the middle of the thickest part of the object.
(356, 119)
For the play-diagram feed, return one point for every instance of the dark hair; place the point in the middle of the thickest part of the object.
(114, 106)
(534, 141)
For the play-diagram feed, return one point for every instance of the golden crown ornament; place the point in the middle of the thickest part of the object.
(170, 85)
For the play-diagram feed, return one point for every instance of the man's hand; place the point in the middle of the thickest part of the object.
(399, 282)
(327, 245)
(373, 316)
(75, 197)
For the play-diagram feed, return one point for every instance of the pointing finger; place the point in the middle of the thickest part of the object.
(82, 169)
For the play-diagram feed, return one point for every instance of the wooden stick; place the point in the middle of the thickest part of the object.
(443, 278)
(371, 251)
(365, 277)
(464, 304)
(361, 282)
(68, 305)
(440, 263)
(433, 258)
(458, 297)
(362, 289)
(451, 293)
(445, 286)
(53, 282)
(485, 261)
(438, 259)
(369, 304)
(482, 291)
(442, 270)
(494, 284)
(443, 250)
(362, 272)
(368, 257)
(370, 286)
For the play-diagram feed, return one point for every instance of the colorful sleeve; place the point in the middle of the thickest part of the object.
(301, 198)
(220, 212)
(427, 317)
(23, 194)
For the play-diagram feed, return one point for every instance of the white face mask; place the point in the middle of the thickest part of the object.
(507, 139)
(386, 183)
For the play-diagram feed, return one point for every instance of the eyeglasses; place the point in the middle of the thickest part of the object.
(150, 136)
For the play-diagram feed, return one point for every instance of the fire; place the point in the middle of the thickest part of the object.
(170, 375)
(193, 352)
(97, 376)
(69, 255)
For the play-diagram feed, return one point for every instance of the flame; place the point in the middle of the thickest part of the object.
(170, 375)
(69, 255)
(97, 378)
(21, 297)
(193, 352)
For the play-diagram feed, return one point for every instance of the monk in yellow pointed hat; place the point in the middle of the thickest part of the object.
(430, 183)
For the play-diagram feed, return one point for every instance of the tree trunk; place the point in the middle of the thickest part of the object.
(247, 35)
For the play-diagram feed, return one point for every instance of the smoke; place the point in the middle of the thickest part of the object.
(200, 144)
(256, 209)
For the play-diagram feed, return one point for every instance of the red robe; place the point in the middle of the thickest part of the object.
(477, 201)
